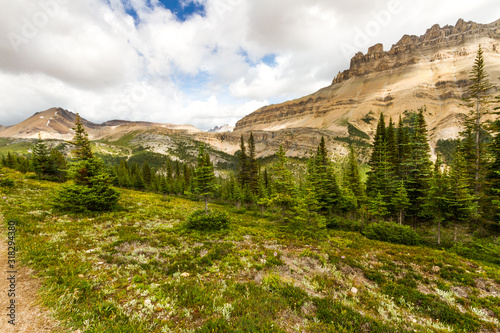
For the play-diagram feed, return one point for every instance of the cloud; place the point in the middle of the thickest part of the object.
(141, 60)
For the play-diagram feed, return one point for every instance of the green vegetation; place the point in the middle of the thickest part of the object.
(392, 232)
(138, 269)
(202, 220)
(151, 262)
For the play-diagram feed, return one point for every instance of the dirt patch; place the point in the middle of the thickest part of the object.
(30, 316)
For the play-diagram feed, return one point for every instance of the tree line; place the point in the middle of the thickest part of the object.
(403, 183)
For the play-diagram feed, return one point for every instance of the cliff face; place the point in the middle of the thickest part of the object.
(431, 70)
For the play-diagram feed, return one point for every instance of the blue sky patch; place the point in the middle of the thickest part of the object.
(268, 59)
(183, 9)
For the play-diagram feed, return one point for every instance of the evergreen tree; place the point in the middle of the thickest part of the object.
(146, 173)
(478, 100)
(322, 180)
(253, 168)
(284, 192)
(60, 164)
(392, 147)
(91, 189)
(461, 201)
(403, 146)
(437, 203)
(419, 168)
(204, 179)
(243, 166)
(42, 163)
(400, 201)
(382, 176)
(353, 177)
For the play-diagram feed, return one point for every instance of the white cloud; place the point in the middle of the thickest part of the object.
(92, 56)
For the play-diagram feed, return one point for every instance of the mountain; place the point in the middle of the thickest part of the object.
(56, 123)
(221, 129)
(431, 70)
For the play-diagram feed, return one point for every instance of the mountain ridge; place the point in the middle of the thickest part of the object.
(430, 70)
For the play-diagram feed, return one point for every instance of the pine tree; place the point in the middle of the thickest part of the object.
(243, 166)
(478, 100)
(392, 147)
(382, 176)
(322, 179)
(403, 146)
(284, 192)
(146, 174)
(204, 179)
(461, 201)
(60, 164)
(253, 168)
(419, 168)
(353, 177)
(400, 201)
(91, 189)
(437, 203)
(41, 160)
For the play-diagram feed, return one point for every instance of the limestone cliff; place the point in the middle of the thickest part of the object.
(431, 70)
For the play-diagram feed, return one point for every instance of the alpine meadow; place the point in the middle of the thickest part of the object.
(371, 205)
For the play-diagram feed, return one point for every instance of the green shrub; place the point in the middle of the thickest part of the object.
(214, 220)
(339, 223)
(6, 182)
(81, 198)
(487, 249)
(392, 233)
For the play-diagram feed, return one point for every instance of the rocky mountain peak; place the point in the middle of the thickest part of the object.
(430, 70)
(403, 52)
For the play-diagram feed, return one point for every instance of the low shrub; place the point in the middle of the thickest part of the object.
(392, 233)
(6, 182)
(82, 198)
(214, 220)
(487, 249)
(339, 223)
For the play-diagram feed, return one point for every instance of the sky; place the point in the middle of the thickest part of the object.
(198, 62)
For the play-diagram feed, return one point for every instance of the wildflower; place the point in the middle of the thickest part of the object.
(343, 257)
(275, 254)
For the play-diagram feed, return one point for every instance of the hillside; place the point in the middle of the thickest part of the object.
(139, 270)
(431, 70)
(56, 123)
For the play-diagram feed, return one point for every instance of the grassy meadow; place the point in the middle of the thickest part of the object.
(138, 269)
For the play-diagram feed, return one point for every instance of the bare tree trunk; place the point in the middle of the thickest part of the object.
(206, 205)
(400, 217)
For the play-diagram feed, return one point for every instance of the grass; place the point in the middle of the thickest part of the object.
(138, 269)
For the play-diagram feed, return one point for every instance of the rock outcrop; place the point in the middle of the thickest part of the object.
(431, 70)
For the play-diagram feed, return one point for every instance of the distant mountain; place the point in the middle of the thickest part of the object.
(56, 123)
(221, 129)
(431, 70)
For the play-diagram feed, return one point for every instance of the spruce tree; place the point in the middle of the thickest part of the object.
(478, 100)
(243, 166)
(418, 168)
(91, 189)
(462, 204)
(322, 179)
(253, 168)
(204, 179)
(382, 176)
(437, 203)
(400, 202)
(283, 190)
(42, 163)
(352, 176)
(146, 173)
